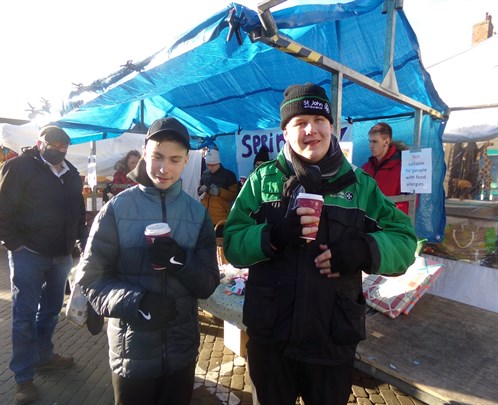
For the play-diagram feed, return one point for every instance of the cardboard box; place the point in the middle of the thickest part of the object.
(235, 339)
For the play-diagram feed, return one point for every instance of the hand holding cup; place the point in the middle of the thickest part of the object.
(309, 223)
(310, 209)
(152, 233)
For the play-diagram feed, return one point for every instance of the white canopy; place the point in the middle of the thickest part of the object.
(468, 83)
(109, 151)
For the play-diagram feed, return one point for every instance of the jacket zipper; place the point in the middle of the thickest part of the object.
(164, 337)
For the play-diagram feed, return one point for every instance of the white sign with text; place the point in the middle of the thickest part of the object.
(416, 171)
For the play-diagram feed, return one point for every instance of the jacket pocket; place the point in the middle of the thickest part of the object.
(348, 320)
(260, 309)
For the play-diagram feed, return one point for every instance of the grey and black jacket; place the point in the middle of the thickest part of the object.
(115, 272)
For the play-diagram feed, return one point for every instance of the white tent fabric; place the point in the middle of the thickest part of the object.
(109, 151)
(470, 79)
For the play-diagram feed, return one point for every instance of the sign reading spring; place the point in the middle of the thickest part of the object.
(249, 143)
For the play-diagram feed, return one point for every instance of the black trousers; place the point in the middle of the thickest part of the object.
(172, 389)
(281, 380)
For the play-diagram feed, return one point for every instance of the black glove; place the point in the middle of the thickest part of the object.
(166, 254)
(202, 189)
(350, 256)
(286, 232)
(155, 312)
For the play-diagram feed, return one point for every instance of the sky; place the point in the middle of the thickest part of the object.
(48, 45)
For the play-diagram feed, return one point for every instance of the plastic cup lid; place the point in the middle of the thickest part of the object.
(159, 228)
(310, 196)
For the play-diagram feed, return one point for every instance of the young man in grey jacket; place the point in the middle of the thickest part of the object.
(153, 328)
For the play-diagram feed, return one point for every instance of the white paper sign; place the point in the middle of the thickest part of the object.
(347, 150)
(92, 171)
(416, 171)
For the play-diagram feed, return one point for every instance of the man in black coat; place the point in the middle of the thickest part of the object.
(42, 215)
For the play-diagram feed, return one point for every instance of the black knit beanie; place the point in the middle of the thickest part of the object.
(262, 156)
(308, 99)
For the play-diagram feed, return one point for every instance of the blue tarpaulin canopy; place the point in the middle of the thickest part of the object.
(219, 87)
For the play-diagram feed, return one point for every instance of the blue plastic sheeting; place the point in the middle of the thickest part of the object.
(217, 87)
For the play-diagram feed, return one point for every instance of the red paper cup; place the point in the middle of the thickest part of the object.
(153, 231)
(243, 179)
(314, 201)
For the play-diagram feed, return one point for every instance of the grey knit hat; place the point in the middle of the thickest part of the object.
(304, 99)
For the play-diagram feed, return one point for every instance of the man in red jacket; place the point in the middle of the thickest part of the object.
(385, 163)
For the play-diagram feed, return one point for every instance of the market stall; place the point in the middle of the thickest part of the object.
(444, 352)
(391, 296)
(469, 253)
(413, 336)
(470, 141)
(364, 53)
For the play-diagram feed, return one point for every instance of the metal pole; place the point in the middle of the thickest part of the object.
(94, 188)
(389, 82)
(273, 38)
(337, 102)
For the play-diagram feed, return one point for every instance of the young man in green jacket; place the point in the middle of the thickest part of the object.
(304, 307)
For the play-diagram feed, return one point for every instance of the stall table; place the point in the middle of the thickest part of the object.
(228, 308)
(443, 352)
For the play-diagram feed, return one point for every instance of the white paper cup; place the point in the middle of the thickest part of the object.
(314, 201)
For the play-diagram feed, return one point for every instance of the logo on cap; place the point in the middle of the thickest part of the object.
(313, 104)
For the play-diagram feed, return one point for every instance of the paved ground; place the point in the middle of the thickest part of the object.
(221, 376)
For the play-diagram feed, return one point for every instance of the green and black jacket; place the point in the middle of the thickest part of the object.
(287, 299)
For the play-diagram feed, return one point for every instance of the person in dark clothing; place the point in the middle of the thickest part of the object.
(304, 307)
(153, 324)
(218, 187)
(262, 156)
(42, 215)
(385, 163)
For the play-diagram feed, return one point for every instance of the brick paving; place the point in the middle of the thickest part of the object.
(221, 376)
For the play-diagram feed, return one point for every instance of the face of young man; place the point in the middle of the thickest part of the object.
(164, 162)
(379, 144)
(309, 136)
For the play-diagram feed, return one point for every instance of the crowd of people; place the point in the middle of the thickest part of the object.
(304, 307)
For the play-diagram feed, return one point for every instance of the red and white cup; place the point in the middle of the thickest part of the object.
(153, 231)
(314, 201)
(243, 180)
(156, 230)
